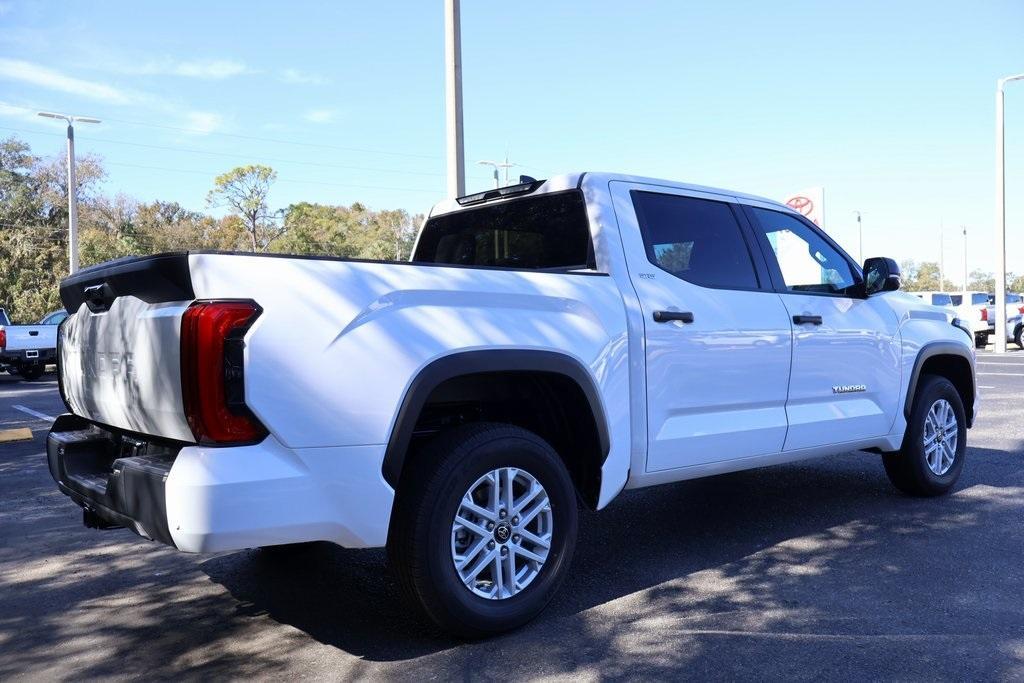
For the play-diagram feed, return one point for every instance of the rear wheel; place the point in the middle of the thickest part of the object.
(484, 528)
(980, 340)
(935, 445)
(1018, 336)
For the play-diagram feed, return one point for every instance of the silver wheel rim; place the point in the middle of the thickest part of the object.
(501, 534)
(941, 432)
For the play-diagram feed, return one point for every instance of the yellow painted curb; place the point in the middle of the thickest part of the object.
(22, 434)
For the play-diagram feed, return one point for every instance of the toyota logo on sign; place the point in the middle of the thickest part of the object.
(801, 204)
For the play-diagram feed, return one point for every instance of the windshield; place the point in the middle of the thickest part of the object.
(548, 231)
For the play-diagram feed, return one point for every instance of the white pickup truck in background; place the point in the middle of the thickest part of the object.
(1014, 317)
(27, 349)
(548, 345)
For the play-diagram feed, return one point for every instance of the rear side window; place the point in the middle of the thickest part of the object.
(943, 300)
(548, 231)
(977, 298)
(697, 240)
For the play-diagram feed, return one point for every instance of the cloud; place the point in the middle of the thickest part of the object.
(211, 69)
(320, 115)
(51, 79)
(204, 122)
(13, 111)
(301, 77)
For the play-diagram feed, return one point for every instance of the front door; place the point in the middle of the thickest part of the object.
(845, 383)
(718, 339)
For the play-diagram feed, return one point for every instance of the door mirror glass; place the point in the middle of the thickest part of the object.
(881, 275)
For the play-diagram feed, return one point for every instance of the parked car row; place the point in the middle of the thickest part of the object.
(26, 350)
(1014, 317)
(968, 307)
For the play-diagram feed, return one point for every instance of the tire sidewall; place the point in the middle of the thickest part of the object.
(936, 388)
(477, 613)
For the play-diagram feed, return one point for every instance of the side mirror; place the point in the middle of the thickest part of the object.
(881, 275)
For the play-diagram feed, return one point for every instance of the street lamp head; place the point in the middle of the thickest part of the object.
(69, 119)
(1003, 81)
(51, 115)
(86, 119)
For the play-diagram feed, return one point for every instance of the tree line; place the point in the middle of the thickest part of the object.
(924, 277)
(34, 219)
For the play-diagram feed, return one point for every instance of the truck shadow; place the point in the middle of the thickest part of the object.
(818, 550)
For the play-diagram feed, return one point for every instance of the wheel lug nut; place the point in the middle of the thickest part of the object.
(515, 539)
(504, 551)
(491, 545)
(490, 526)
(502, 514)
(515, 520)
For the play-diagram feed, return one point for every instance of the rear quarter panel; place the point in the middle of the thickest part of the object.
(338, 343)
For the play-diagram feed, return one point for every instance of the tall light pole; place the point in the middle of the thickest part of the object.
(1000, 302)
(966, 300)
(942, 259)
(456, 159)
(72, 185)
(860, 239)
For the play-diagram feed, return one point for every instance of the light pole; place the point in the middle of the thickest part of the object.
(72, 185)
(498, 164)
(1000, 307)
(456, 159)
(860, 239)
(966, 300)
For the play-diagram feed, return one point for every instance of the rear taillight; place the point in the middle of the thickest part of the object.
(1021, 310)
(3, 339)
(984, 315)
(213, 372)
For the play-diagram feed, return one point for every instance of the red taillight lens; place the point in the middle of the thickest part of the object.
(3, 339)
(1021, 310)
(212, 371)
(984, 315)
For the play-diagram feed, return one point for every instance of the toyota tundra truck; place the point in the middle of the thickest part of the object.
(548, 345)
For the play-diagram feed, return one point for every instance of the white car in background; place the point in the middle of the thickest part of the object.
(1014, 317)
(971, 314)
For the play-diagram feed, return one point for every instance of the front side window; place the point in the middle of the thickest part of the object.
(697, 240)
(807, 261)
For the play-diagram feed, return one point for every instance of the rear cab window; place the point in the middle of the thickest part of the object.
(539, 232)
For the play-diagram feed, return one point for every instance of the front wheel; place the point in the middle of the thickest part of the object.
(935, 444)
(484, 528)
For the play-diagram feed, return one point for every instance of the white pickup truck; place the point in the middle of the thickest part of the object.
(27, 349)
(548, 345)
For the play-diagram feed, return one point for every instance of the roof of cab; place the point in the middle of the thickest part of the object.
(568, 181)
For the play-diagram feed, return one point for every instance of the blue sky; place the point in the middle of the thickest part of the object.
(888, 105)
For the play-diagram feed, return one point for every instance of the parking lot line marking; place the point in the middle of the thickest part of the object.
(982, 386)
(987, 362)
(20, 434)
(1003, 374)
(34, 413)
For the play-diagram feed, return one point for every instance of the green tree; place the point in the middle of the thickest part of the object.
(244, 190)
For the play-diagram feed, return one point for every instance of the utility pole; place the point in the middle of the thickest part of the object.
(1000, 303)
(498, 164)
(72, 185)
(456, 160)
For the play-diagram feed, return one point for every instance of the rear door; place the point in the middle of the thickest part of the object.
(718, 340)
(845, 383)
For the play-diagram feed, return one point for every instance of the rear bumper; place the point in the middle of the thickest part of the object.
(28, 356)
(206, 499)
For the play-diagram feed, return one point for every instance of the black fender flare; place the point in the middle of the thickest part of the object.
(940, 348)
(478, 362)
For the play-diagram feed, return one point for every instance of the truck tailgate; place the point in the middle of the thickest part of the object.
(119, 353)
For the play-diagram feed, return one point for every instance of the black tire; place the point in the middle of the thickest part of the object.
(420, 538)
(980, 340)
(908, 468)
(32, 372)
(1018, 336)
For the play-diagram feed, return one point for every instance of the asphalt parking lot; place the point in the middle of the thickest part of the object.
(809, 571)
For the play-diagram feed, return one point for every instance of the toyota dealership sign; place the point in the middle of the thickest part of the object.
(811, 203)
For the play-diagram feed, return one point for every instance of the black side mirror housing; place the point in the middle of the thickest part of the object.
(881, 274)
